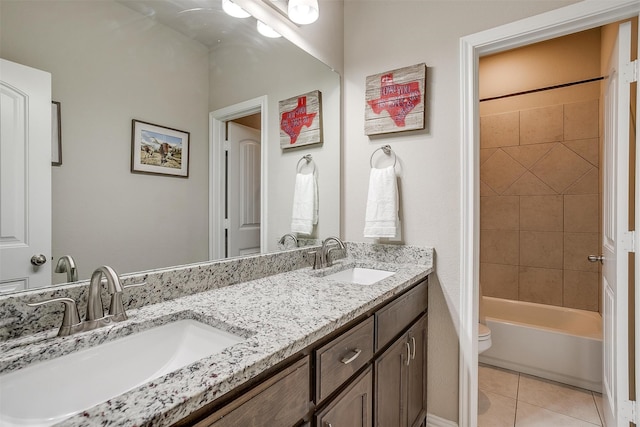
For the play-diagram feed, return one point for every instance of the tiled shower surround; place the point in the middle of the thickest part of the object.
(539, 205)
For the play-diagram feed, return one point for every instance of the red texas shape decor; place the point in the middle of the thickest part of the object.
(395, 100)
(301, 120)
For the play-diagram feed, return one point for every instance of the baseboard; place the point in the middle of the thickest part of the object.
(435, 421)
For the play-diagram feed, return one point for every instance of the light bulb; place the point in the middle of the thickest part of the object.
(267, 31)
(234, 10)
(303, 11)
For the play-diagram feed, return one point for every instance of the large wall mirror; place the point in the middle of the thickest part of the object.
(169, 63)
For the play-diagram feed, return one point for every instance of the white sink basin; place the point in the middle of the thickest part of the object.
(360, 276)
(45, 393)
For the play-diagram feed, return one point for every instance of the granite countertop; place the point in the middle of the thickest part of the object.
(278, 315)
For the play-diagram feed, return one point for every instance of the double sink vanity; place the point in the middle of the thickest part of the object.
(261, 340)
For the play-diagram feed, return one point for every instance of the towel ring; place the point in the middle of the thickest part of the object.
(309, 159)
(386, 149)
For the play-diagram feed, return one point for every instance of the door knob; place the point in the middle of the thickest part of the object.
(38, 260)
(595, 258)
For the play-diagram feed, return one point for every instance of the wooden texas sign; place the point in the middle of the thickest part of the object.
(300, 120)
(395, 100)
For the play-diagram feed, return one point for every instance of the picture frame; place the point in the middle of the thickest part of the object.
(56, 134)
(301, 120)
(159, 150)
(395, 100)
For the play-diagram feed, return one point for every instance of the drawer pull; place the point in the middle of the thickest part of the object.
(354, 356)
(413, 348)
(408, 353)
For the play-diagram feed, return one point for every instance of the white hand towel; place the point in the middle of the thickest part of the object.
(381, 219)
(305, 204)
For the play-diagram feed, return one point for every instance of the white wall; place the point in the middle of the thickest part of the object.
(285, 71)
(567, 59)
(378, 39)
(110, 65)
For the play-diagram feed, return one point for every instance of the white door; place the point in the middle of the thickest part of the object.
(243, 190)
(617, 240)
(25, 177)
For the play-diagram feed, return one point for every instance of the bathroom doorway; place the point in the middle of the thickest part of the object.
(25, 167)
(539, 222)
(242, 186)
(237, 191)
(568, 20)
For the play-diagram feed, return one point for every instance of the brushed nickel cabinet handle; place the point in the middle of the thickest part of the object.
(413, 348)
(354, 356)
(408, 353)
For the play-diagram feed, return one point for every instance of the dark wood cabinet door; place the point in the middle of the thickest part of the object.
(417, 374)
(352, 407)
(390, 385)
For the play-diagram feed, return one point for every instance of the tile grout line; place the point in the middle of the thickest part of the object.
(515, 413)
(599, 423)
(567, 415)
(600, 416)
(564, 415)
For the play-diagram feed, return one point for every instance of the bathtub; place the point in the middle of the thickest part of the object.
(560, 344)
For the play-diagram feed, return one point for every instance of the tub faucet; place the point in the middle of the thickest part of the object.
(68, 265)
(284, 238)
(325, 260)
(95, 310)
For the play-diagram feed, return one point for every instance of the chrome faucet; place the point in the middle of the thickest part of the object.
(95, 317)
(95, 310)
(292, 236)
(68, 265)
(322, 258)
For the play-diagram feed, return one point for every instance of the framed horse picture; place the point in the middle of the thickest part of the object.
(159, 150)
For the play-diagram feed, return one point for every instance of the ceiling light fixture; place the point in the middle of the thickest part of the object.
(303, 11)
(267, 31)
(234, 10)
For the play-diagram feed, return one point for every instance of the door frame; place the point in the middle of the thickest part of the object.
(556, 23)
(217, 121)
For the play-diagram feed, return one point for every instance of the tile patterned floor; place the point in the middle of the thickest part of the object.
(511, 399)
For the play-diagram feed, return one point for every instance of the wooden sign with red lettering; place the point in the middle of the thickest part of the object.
(395, 100)
(301, 120)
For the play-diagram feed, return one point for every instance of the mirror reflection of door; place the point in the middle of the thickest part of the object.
(25, 177)
(243, 188)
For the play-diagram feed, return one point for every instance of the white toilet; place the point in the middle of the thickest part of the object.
(484, 338)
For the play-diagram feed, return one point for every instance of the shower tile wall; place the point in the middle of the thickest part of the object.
(539, 215)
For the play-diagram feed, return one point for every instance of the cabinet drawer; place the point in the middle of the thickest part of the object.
(342, 357)
(396, 316)
(282, 400)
